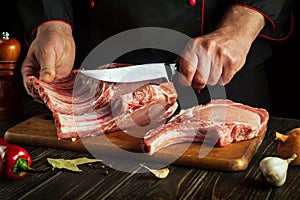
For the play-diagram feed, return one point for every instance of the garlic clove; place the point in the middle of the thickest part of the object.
(271, 177)
(276, 179)
(275, 169)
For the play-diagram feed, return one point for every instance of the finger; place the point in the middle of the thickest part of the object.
(65, 63)
(186, 72)
(215, 74)
(227, 75)
(47, 63)
(29, 70)
(47, 73)
(198, 81)
(202, 73)
(29, 66)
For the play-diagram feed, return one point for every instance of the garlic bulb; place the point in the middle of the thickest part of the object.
(275, 169)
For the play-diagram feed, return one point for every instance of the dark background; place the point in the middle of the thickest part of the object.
(283, 71)
(283, 66)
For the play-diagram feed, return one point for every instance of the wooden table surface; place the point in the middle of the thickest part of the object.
(104, 182)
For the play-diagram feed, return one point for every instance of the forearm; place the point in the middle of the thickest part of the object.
(242, 22)
(278, 16)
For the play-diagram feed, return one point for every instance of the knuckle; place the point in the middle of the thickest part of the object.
(199, 83)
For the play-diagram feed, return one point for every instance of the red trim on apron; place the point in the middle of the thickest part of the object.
(284, 38)
(202, 18)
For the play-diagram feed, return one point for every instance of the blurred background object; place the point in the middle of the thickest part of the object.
(284, 73)
(11, 104)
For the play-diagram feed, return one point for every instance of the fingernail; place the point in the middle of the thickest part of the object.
(45, 75)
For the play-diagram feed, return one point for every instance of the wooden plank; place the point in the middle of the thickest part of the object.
(40, 131)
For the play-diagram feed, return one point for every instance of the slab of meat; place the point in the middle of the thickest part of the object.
(83, 107)
(219, 122)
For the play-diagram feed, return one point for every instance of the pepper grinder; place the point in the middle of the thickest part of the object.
(11, 94)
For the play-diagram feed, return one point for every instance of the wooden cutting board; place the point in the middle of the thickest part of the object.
(40, 131)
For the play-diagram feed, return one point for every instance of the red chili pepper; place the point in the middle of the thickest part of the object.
(3, 141)
(15, 161)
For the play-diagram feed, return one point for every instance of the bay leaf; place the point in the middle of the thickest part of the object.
(70, 164)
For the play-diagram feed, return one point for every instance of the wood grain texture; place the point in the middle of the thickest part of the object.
(182, 182)
(40, 131)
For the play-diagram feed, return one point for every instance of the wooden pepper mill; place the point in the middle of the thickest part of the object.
(11, 94)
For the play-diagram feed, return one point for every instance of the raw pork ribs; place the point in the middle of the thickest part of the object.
(82, 106)
(219, 123)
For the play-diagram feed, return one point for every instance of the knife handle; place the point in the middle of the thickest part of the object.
(171, 69)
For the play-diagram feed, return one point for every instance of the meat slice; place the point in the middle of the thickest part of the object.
(130, 110)
(147, 104)
(83, 107)
(220, 122)
(67, 96)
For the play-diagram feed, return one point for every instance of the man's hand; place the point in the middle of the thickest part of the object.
(51, 55)
(218, 56)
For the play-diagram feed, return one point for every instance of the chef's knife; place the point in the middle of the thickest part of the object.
(134, 73)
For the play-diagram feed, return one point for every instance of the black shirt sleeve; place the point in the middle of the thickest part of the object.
(35, 12)
(278, 15)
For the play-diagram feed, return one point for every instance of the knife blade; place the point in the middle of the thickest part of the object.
(134, 73)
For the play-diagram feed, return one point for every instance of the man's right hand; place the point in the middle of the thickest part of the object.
(51, 55)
